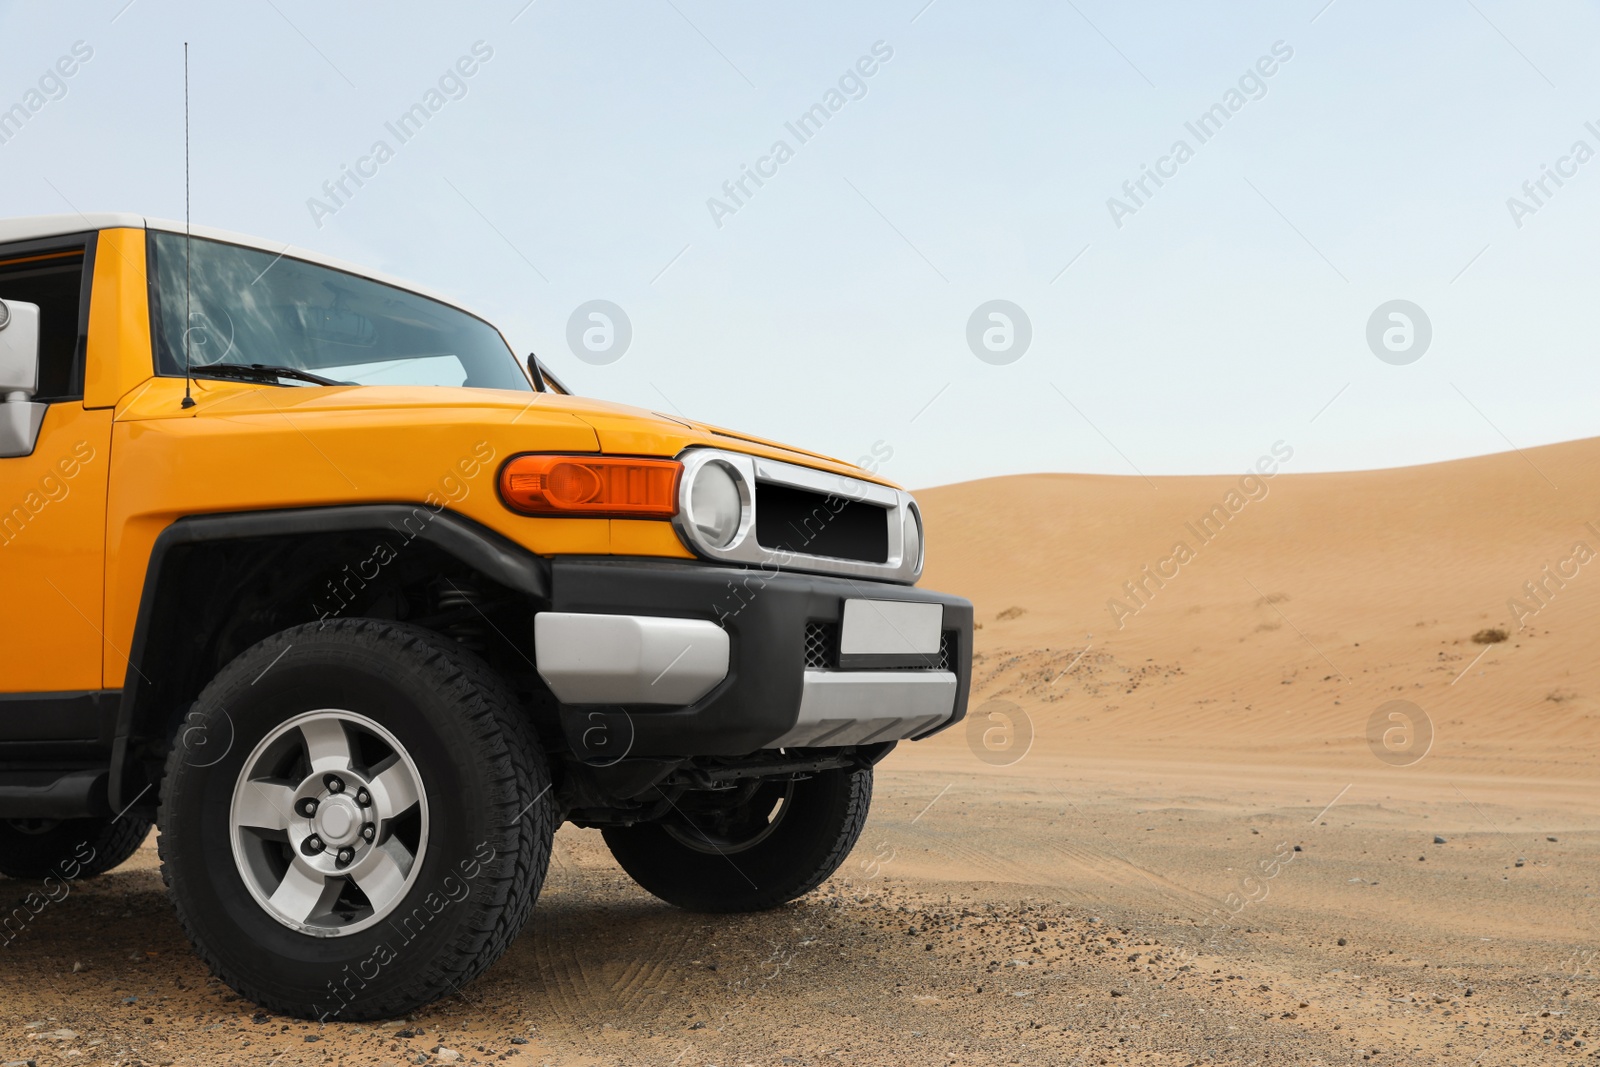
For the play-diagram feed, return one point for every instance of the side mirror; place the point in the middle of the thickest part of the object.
(20, 418)
(543, 380)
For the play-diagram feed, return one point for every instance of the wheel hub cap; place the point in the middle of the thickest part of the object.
(338, 821)
(329, 823)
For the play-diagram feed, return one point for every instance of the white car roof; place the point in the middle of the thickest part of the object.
(34, 227)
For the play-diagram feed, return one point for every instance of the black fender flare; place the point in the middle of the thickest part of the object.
(492, 554)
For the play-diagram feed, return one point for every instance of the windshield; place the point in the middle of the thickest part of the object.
(249, 307)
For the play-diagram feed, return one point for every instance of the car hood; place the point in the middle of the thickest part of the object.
(624, 429)
(618, 428)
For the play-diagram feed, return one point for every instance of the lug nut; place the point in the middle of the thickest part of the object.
(312, 845)
(308, 807)
(363, 797)
(368, 832)
(334, 783)
(345, 856)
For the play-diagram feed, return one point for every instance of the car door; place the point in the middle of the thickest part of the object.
(52, 512)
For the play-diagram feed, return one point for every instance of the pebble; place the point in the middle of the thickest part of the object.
(447, 1055)
(1438, 840)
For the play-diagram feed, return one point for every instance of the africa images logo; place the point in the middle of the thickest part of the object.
(599, 332)
(1399, 332)
(999, 332)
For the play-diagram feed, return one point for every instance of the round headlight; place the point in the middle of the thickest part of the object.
(914, 536)
(714, 504)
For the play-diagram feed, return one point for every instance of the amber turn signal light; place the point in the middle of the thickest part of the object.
(619, 487)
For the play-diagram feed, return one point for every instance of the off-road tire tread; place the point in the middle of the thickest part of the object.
(668, 883)
(859, 804)
(501, 906)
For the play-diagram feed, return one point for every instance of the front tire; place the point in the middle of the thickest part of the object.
(775, 840)
(377, 831)
(69, 849)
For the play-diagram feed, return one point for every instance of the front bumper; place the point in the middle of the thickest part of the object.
(769, 697)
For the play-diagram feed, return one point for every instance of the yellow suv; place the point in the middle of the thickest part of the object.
(304, 566)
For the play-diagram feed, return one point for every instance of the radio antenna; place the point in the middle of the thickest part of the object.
(188, 400)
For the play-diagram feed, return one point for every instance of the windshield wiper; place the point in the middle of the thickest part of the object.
(262, 372)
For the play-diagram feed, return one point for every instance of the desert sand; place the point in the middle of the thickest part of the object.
(1188, 830)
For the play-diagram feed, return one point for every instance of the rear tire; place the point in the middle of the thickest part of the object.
(70, 849)
(377, 832)
(720, 857)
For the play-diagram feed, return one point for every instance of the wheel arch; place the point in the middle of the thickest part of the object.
(180, 640)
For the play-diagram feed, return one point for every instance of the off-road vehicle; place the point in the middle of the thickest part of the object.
(306, 568)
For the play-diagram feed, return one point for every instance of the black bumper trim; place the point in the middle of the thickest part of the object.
(765, 614)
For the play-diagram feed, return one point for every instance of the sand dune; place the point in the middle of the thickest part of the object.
(1293, 617)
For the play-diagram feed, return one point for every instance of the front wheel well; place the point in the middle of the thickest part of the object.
(217, 585)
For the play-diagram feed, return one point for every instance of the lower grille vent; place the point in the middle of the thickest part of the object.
(822, 649)
(822, 644)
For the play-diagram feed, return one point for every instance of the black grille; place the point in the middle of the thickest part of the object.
(820, 524)
(822, 644)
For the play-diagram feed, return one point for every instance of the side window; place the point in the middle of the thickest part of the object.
(53, 278)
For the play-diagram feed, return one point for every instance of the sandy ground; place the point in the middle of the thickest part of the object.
(1183, 831)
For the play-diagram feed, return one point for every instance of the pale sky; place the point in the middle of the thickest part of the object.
(829, 306)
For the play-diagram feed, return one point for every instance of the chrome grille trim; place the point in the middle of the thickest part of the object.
(901, 511)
